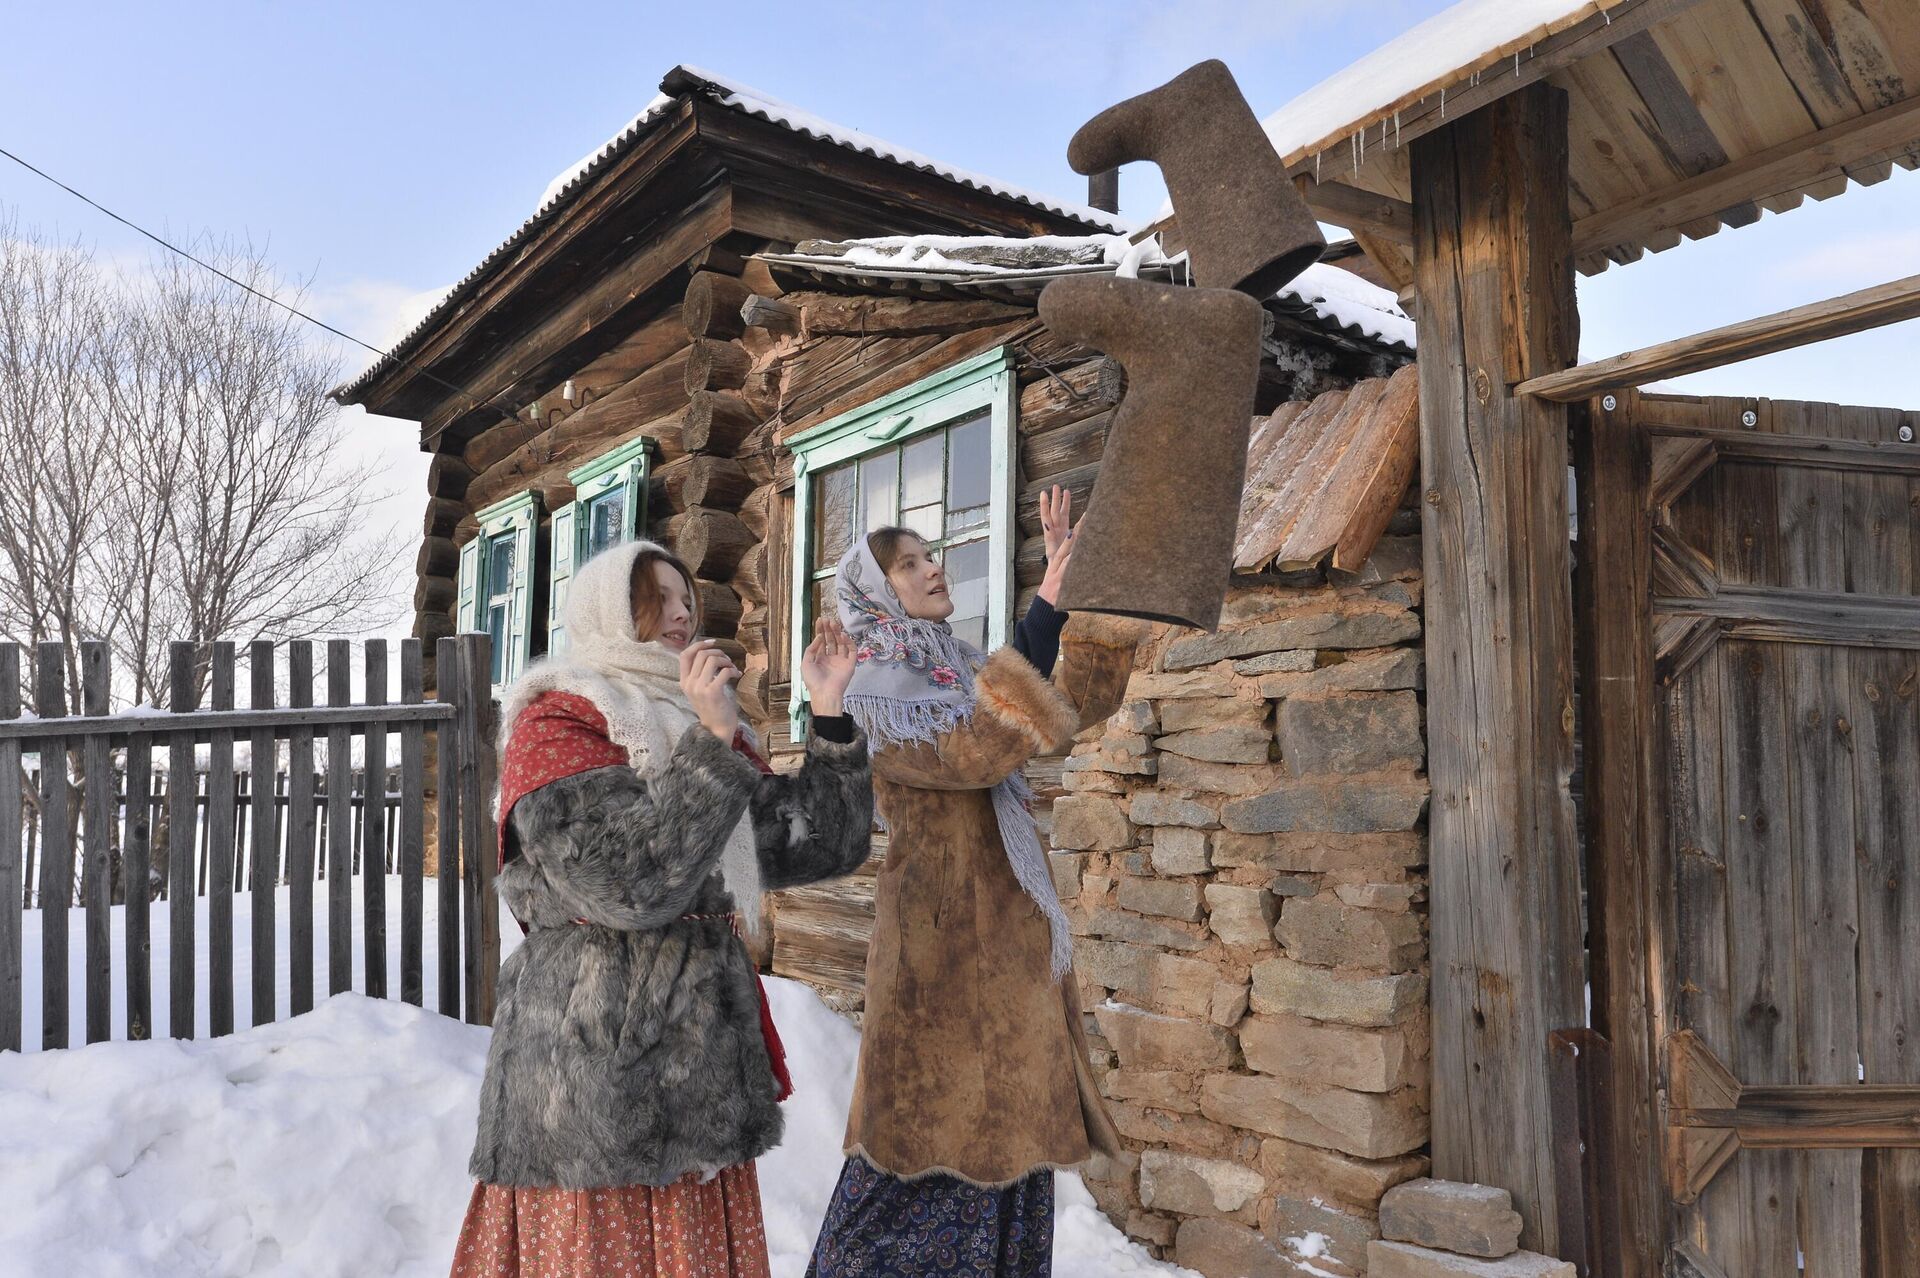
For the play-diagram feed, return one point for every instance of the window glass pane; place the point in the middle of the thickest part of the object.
(497, 632)
(967, 583)
(832, 514)
(606, 520)
(925, 521)
(970, 464)
(921, 464)
(500, 564)
(880, 490)
(823, 605)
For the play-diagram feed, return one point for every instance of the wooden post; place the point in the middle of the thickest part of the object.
(136, 866)
(449, 684)
(96, 878)
(56, 846)
(220, 825)
(302, 822)
(373, 856)
(183, 692)
(266, 837)
(339, 823)
(12, 880)
(1494, 272)
(478, 840)
(413, 815)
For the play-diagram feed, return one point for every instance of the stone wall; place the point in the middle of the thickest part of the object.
(1243, 853)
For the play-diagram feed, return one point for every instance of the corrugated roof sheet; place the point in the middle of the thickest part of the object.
(688, 80)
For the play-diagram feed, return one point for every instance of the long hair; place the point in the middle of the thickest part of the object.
(648, 599)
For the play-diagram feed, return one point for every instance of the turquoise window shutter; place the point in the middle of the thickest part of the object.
(502, 603)
(466, 618)
(559, 574)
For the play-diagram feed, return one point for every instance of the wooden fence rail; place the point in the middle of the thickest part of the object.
(88, 817)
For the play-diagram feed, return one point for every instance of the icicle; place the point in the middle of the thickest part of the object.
(1516, 62)
(1316, 167)
(1396, 130)
(1443, 103)
(1608, 15)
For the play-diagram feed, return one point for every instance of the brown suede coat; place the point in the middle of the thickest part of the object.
(973, 1061)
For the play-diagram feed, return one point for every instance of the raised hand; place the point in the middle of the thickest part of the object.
(706, 676)
(827, 666)
(1056, 520)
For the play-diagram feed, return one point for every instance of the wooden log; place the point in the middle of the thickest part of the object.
(651, 343)
(554, 494)
(861, 376)
(183, 695)
(373, 869)
(302, 826)
(1064, 448)
(339, 823)
(782, 319)
(1078, 481)
(758, 276)
(585, 435)
(762, 456)
(431, 626)
(704, 480)
(96, 881)
(753, 691)
(448, 679)
(716, 365)
(438, 557)
(891, 315)
(1078, 391)
(266, 836)
(1495, 276)
(434, 594)
(442, 515)
(1783, 330)
(752, 632)
(756, 508)
(448, 476)
(499, 440)
(711, 542)
(220, 831)
(1379, 215)
(750, 579)
(412, 832)
(716, 422)
(712, 306)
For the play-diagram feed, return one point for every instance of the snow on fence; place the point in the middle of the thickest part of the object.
(92, 804)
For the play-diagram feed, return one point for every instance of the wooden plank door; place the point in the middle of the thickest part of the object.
(1775, 976)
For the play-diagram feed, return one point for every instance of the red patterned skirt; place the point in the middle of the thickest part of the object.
(683, 1230)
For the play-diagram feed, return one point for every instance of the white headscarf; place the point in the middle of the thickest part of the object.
(636, 686)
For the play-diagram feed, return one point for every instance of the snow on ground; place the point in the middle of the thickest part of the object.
(334, 1144)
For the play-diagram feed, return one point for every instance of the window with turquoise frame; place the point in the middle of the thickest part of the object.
(495, 587)
(609, 505)
(936, 457)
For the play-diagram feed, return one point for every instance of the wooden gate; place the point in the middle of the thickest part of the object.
(1749, 585)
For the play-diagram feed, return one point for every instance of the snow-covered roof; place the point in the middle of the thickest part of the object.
(690, 80)
(1010, 266)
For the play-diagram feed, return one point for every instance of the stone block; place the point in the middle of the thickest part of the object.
(1294, 885)
(1146, 973)
(1296, 661)
(1221, 1249)
(1179, 849)
(1118, 925)
(1161, 1088)
(1135, 716)
(1194, 1186)
(1349, 628)
(1241, 915)
(1378, 896)
(1319, 852)
(1474, 1220)
(1137, 863)
(1405, 1260)
(1178, 772)
(1302, 1225)
(1402, 668)
(1165, 809)
(1092, 782)
(1365, 1124)
(1187, 1132)
(1067, 868)
(1350, 732)
(1149, 1040)
(1324, 930)
(1229, 1002)
(1183, 684)
(1362, 1060)
(1168, 898)
(1151, 1227)
(1211, 712)
(1227, 743)
(1345, 807)
(1090, 822)
(1280, 985)
(1100, 763)
(1360, 1181)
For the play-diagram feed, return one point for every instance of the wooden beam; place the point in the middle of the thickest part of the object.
(1784, 330)
(1804, 616)
(1800, 450)
(1379, 215)
(1494, 266)
(1787, 167)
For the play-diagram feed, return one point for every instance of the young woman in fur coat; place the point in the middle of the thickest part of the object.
(634, 1072)
(973, 1081)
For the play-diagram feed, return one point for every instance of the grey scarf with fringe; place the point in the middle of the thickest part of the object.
(912, 682)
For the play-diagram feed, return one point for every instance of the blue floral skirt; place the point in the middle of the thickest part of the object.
(879, 1226)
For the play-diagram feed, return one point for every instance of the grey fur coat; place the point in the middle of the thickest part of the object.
(627, 1050)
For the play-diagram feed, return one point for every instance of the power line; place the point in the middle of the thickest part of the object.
(238, 283)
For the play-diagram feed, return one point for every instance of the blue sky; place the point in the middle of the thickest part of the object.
(382, 149)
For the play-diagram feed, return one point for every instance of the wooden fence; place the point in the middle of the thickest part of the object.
(101, 805)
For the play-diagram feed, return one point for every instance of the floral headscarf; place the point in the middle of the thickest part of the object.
(912, 682)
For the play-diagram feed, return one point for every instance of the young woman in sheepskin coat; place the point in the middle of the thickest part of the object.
(973, 1081)
(634, 1072)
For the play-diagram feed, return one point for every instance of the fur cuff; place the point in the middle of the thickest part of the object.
(1104, 630)
(1016, 694)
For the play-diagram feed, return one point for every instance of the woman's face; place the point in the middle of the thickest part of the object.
(676, 608)
(921, 582)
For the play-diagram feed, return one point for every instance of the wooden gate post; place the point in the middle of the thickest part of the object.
(1494, 273)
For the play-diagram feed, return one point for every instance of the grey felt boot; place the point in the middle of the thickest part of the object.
(1157, 538)
(1244, 222)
